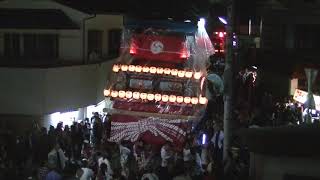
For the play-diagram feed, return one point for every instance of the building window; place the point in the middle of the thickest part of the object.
(41, 46)
(94, 44)
(12, 45)
(114, 42)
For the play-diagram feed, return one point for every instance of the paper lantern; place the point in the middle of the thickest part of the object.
(124, 67)
(106, 92)
(143, 96)
(159, 70)
(174, 72)
(165, 98)
(197, 75)
(153, 70)
(138, 69)
(157, 97)
(114, 94)
(132, 68)
(122, 94)
(167, 71)
(172, 98)
(187, 100)
(115, 68)
(128, 94)
(194, 100)
(203, 100)
(179, 99)
(188, 74)
(150, 97)
(181, 74)
(145, 69)
(136, 95)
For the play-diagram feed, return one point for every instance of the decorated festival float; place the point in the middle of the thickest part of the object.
(157, 87)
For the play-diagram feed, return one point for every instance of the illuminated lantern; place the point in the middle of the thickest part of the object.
(187, 100)
(145, 69)
(159, 70)
(138, 69)
(203, 100)
(114, 94)
(122, 94)
(157, 97)
(106, 92)
(194, 100)
(153, 70)
(188, 74)
(172, 98)
(174, 72)
(132, 68)
(167, 71)
(124, 67)
(143, 96)
(128, 94)
(197, 75)
(115, 68)
(150, 97)
(179, 99)
(136, 95)
(181, 74)
(165, 98)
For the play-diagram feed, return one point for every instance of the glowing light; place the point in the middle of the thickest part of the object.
(153, 70)
(138, 69)
(181, 74)
(106, 92)
(128, 94)
(124, 67)
(188, 74)
(172, 98)
(165, 98)
(187, 100)
(187, 21)
(174, 72)
(204, 137)
(143, 96)
(194, 100)
(132, 68)
(157, 97)
(115, 68)
(201, 23)
(221, 19)
(221, 35)
(136, 95)
(145, 69)
(150, 97)
(179, 99)
(167, 71)
(197, 75)
(203, 100)
(114, 94)
(159, 70)
(122, 94)
(133, 49)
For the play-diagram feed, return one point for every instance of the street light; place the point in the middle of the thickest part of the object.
(223, 20)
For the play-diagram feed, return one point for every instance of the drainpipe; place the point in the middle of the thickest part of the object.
(84, 54)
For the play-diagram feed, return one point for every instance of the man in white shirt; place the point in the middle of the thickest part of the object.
(56, 156)
(87, 172)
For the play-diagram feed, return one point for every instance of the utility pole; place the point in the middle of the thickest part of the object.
(228, 81)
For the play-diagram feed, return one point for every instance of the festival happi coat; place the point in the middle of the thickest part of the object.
(157, 86)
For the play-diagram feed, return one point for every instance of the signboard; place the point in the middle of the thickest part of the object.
(301, 97)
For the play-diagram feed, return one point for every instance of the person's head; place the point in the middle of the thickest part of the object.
(57, 146)
(103, 168)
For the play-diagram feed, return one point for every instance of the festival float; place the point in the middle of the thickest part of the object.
(157, 87)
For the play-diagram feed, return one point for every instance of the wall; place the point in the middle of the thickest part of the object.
(44, 91)
(268, 167)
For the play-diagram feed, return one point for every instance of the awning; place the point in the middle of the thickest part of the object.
(35, 19)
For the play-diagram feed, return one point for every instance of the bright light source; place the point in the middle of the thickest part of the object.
(201, 23)
(204, 137)
(254, 67)
(221, 35)
(224, 21)
(187, 21)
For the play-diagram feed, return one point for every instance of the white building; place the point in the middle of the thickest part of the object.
(53, 58)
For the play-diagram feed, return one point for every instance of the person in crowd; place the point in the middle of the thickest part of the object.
(43, 170)
(57, 156)
(217, 141)
(87, 172)
(53, 173)
(166, 160)
(180, 172)
(103, 172)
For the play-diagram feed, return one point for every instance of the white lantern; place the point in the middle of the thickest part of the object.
(179, 99)
(187, 100)
(136, 95)
(128, 94)
(115, 68)
(165, 98)
(122, 94)
(194, 100)
(150, 97)
(188, 74)
(124, 67)
(172, 98)
(143, 96)
(132, 68)
(145, 69)
(181, 73)
(167, 71)
(197, 75)
(174, 72)
(114, 94)
(138, 69)
(203, 100)
(106, 92)
(153, 70)
(157, 97)
(159, 70)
